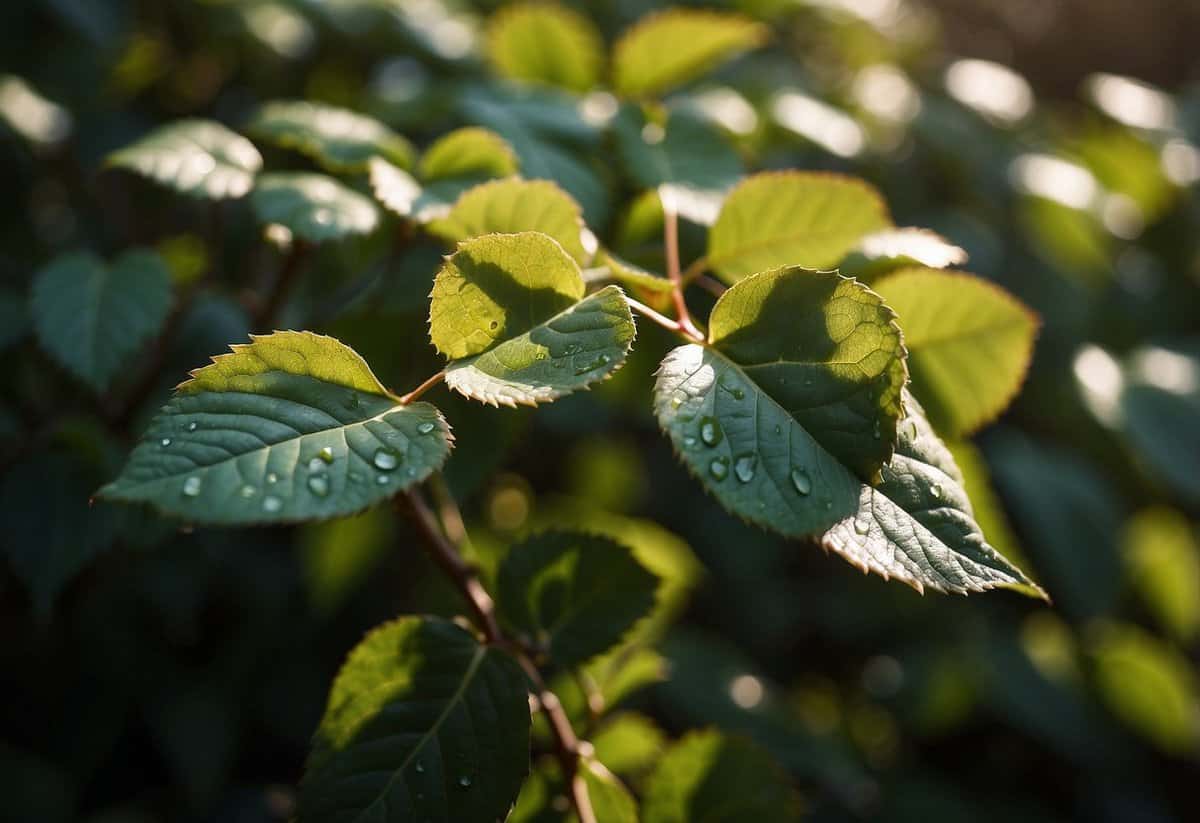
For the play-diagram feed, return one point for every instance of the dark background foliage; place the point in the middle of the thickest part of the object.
(158, 673)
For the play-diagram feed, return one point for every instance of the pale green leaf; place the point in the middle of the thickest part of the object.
(969, 344)
(423, 723)
(1163, 557)
(314, 207)
(471, 152)
(509, 206)
(675, 46)
(792, 219)
(396, 189)
(629, 743)
(575, 594)
(339, 139)
(545, 43)
(563, 354)
(292, 426)
(91, 317)
(917, 526)
(200, 158)
(827, 349)
(686, 157)
(883, 251)
(1149, 685)
(630, 275)
(718, 779)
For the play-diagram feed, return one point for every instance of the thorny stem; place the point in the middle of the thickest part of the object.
(671, 247)
(421, 389)
(441, 543)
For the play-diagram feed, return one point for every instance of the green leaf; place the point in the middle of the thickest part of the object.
(969, 344)
(629, 743)
(686, 158)
(708, 776)
(630, 275)
(611, 801)
(423, 723)
(561, 355)
(506, 310)
(575, 594)
(199, 158)
(314, 207)
(91, 317)
(792, 218)
(917, 526)
(471, 152)
(339, 139)
(510, 206)
(544, 797)
(824, 347)
(672, 47)
(1163, 557)
(396, 189)
(545, 43)
(883, 251)
(292, 426)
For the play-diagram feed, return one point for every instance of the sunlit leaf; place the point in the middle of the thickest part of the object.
(509, 206)
(883, 251)
(629, 743)
(339, 139)
(200, 158)
(471, 152)
(339, 555)
(314, 207)
(1163, 557)
(395, 188)
(792, 219)
(672, 47)
(632, 276)
(575, 594)
(708, 776)
(423, 723)
(969, 344)
(507, 312)
(292, 426)
(93, 317)
(545, 43)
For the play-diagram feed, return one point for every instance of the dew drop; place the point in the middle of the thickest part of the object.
(745, 466)
(689, 441)
(272, 477)
(192, 427)
(385, 460)
(322, 217)
(354, 477)
(935, 491)
(271, 503)
(778, 429)
(316, 464)
(801, 481)
(326, 454)
(247, 491)
(426, 427)
(166, 441)
(738, 394)
(191, 486)
(382, 479)
(719, 468)
(862, 526)
(318, 484)
(420, 767)
(710, 431)
(464, 781)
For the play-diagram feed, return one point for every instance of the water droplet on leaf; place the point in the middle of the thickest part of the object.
(318, 484)
(464, 781)
(191, 486)
(326, 454)
(166, 441)
(247, 491)
(426, 427)
(935, 491)
(382, 479)
(719, 468)
(801, 481)
(271, 503)
(710, 431)
(744, 467)
(862, 526)
(192, 427)
(272, 477)
(385, 460)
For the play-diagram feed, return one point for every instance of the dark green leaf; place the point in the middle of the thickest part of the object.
(575, 594)
(339, 139)
(314, 207)
(423, 723)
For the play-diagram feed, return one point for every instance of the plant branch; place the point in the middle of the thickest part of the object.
(697, 268)
(664, 321)
(421, 389)
(671, 247)
(440, 541)
(711, 285)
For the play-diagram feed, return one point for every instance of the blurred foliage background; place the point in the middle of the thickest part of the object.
(156, 673)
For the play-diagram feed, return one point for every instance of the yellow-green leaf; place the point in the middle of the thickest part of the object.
(545, 43)
(471, 152)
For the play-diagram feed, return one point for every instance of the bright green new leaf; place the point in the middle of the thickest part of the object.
(423, 723)
(792, 218)
(544, 797)
(507, 311)
(672, 47)
(92, 317)
(292, 426)
(1149, 685)
(883, 251)
(545, 43)
(509, 206)
(969, 344)
(339, 139)
(1163, 557)
(611, 801)
(718, 779)
(314, 207)
(686, 158)
(563, 354)
(917, 526)
(472, 153)
(575, 594)
(200, 158)
(629, 743)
